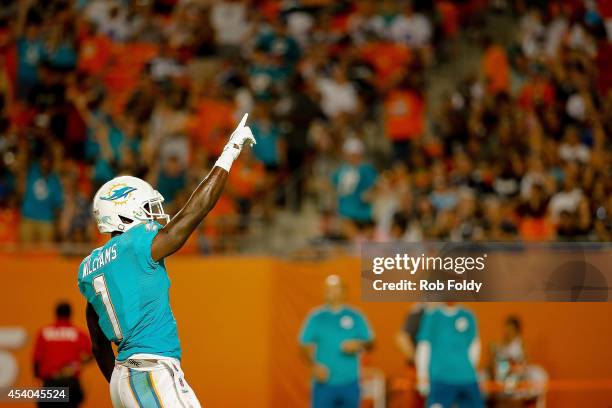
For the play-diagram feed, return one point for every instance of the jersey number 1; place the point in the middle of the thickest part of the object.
(99, 284)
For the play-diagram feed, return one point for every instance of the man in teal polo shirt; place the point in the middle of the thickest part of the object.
(447, 355)
(43, 197)
(332, 338)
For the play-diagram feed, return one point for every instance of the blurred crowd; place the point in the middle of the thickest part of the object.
(337, 91)
(521, 150)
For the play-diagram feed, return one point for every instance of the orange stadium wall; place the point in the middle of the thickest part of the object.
(239, 319)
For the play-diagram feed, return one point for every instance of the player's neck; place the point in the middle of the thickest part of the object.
(450, 310)
(335, 306)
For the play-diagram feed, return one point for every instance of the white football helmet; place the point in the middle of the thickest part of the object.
(126, 201)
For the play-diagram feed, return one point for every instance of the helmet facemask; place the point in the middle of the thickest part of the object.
(150, 210)
(154, 210)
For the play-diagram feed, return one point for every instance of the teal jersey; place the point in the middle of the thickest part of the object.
(450, 337)
(129, 292)
(327, 330)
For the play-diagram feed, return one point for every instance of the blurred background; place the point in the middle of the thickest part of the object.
(465, 120)
(376, 121)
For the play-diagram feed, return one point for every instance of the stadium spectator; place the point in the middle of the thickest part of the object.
(229, 19)
(533, 211)
(509, 365)
(396, 207)
(245, 185)
(30, 52)
(511, 347)
(332, 338)
(338, 94)
(43, 197)
(572, 149)
(270, 147)
(171, 179)
(301, 110)
(412, 28)
(567, 199)
(495, 67)
(603, 222)
(75, 219)
(352, 181)
(60, 351)
(404, 117)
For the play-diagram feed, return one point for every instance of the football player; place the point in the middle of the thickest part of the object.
(126, 283)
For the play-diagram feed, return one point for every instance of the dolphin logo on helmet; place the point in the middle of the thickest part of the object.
(119, 193)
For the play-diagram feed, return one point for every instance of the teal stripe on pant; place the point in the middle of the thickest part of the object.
(143, 389)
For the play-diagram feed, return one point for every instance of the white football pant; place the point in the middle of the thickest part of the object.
(147, 381)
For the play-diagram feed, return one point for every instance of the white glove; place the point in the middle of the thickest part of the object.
(240, 136)
(422, 386)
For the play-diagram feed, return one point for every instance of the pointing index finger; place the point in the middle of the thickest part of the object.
(243, 120)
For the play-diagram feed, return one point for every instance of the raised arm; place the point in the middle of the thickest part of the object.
(172, 237)
(100, 346)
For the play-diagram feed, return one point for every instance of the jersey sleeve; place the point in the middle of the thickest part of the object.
(364, 331)
(142, 240)
(425, 330)
(80, 281)
(308, 335)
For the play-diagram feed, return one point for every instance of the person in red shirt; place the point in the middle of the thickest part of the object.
(495, 67)
(404, 112)
(537, 91)
(60, 351)
(388, 59)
